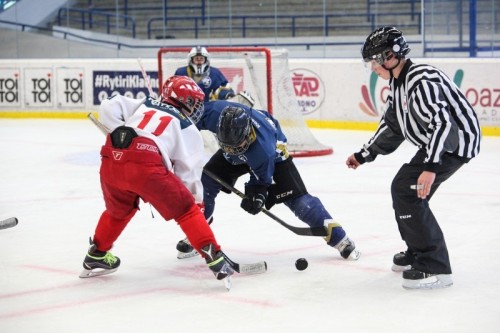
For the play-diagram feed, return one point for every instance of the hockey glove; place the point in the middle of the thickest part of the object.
(245, 98)
(255, 197)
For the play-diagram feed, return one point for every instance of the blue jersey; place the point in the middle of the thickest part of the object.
(208, 83)
(268, 148)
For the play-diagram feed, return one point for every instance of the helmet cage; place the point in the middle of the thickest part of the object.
(199, 69)
(193, 107)
(183, 93)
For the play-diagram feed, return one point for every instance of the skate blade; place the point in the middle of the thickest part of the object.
(399, 269)
(183, 255)
(432, 282)
(355, 254)
(88, 273)
(227, 283)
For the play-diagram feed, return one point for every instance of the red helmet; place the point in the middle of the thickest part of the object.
(183, 93)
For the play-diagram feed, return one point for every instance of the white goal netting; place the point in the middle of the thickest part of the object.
(265, 74)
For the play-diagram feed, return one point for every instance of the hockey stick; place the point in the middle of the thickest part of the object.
(146, 79)
(316, 231)
(98, 124)
(8, 223)
(253, 78)
(256, 268)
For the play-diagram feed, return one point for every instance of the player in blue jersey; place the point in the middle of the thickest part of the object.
(253, 143)
(210, 79)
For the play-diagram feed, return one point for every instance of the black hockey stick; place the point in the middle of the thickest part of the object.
(316, 231)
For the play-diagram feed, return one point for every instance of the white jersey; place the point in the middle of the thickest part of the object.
(179, 141)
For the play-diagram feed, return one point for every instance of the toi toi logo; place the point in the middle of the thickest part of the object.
(309, 89)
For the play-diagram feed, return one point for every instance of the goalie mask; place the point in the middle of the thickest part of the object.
(234, 130)
(383, 43)
(198, 67)
(183, 93)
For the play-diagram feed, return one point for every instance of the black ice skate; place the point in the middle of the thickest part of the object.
(185, 249)
(218, 264)
(402, 261)
(415, 279)
(347, 249)
(98, 263)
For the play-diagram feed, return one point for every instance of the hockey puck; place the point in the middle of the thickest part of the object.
(301, 264)
(8, 223)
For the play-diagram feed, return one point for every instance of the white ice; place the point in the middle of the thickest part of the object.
(49, 181)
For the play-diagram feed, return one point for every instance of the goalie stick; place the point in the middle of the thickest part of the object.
(253, 77)
(316, 231)
(255, 268)
(8, 223)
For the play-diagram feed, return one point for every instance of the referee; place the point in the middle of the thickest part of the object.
(427, 109)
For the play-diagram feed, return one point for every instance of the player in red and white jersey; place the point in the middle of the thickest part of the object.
(154, 152)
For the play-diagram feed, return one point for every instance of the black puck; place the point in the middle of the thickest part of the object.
(301, 264)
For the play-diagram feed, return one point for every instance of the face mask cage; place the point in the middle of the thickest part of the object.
(198, 108)
(243, 146)
(232, 150)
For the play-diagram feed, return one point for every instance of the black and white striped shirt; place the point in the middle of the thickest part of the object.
(426, 108)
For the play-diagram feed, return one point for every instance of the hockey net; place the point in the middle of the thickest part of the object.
(265, 74)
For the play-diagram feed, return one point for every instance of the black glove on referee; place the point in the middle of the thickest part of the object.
(255, 197)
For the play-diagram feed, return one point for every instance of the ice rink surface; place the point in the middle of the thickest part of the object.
(49, 180)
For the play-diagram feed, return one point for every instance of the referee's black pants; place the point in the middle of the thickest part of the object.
(417, 225)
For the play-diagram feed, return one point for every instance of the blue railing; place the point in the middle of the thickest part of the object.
(121, 45)
(165, 8)
(370, 3)
(248, 23)
(307, 45)
(90, 18)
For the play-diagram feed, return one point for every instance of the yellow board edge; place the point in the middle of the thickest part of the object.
(320, 124)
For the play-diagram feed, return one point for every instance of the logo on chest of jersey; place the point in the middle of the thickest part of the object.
(117, 155)
(206, 81)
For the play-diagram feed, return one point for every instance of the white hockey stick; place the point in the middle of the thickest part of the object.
(8, 223)
(98, 124)
(146, 78)
(257, 268)
(254, 81)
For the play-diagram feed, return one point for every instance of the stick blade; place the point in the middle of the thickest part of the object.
(257, 268)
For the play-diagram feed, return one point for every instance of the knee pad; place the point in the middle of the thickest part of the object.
(309, 209)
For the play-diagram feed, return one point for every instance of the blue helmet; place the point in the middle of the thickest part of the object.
(234, 130)
(383, 42)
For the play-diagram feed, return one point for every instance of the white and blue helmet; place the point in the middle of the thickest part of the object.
(199, 69)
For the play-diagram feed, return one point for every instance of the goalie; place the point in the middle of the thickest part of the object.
(210, 79)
